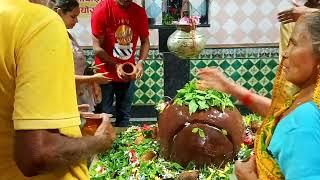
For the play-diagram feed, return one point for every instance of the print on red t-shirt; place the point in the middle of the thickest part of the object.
(120, 28)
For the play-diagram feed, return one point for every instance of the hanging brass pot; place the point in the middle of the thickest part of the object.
(186, 42)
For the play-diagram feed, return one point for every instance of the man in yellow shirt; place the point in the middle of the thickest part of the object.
(288, 19)
(39, 120)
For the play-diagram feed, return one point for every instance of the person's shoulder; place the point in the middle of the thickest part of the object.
(308, 114)
(24, 10)
(309, 106)
(39, 13)
(137, 7)
(102, 4)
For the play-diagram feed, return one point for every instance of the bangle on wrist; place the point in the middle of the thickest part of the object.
(247, 99)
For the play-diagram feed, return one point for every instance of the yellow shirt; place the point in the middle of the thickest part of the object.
(37, 86)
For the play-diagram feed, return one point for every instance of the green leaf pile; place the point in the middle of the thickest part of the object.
(197, 99)
(115, 163)
(252, 118)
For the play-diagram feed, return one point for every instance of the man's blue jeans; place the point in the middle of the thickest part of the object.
(123, 93)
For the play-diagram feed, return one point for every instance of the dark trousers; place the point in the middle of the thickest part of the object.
(123, 93)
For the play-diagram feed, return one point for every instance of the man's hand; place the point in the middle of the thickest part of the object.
(83, 108)
(292, 15)
(121, 73)
(139, 67)
(106, 131)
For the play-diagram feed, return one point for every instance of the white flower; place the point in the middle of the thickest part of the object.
(98, 169)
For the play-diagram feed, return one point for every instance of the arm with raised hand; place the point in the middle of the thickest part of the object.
(215, 79)
(41, 151)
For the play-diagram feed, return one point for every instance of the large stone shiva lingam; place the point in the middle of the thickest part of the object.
(201, 127)
(186, 42)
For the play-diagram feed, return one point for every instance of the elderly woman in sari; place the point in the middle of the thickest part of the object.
(288, 142)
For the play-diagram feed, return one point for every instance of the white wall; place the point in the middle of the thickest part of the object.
(232, 22)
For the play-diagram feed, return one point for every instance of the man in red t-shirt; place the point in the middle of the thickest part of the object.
(116, 26)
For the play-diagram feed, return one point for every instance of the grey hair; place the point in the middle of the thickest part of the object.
(312, 22)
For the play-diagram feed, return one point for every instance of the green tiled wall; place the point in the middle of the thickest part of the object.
(253, 68)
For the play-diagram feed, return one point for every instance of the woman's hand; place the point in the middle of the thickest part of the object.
(246, 170)
(100, 78)
(213, 78)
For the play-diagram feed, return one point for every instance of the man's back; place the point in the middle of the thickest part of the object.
(35, 58)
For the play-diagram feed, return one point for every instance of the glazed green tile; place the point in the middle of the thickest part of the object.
(252, 81)
(144, 87)
(265, 70)
(263, 92)
(241, 81)
(248, 64)
(264, 81)
(247, 76)
(229, 71)
(241, 70)
(259, 75)
(240, 64)
(224, 65)
(257, 86)
(246, 85)
(201, 64)
(236, 64)
(139, 93)
(272, 63)
(235, 76)
(270, 75)
(253, 70)
(269, 86)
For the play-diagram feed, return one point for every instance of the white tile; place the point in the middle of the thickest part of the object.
(214, 9)
(264, 39)
(265, 25)
(247, 25)
(246, 40)
(248, 7)
(231, 8)
(230, 26)
(266, 7)
(284, 5)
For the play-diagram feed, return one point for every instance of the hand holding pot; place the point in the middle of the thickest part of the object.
(105, 128)
(126, 71)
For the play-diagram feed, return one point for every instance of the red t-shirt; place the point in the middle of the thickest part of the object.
(121, 29)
